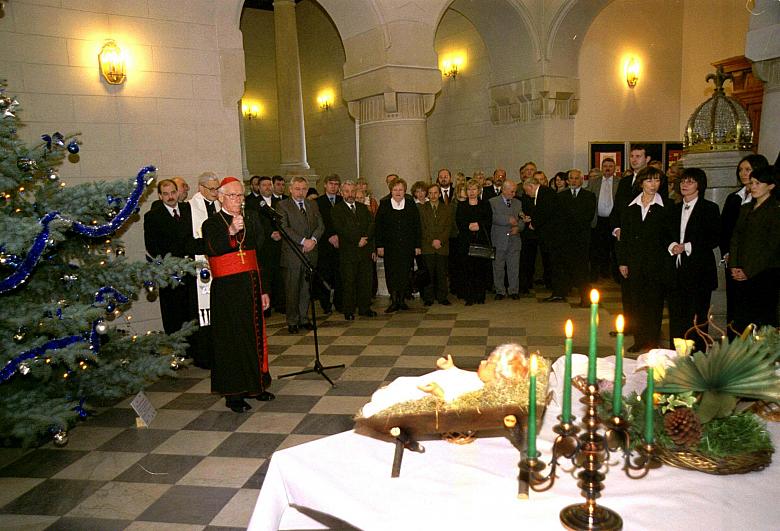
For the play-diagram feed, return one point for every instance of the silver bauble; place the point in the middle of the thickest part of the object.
(101, 328)
(24, 369)
(60, 438)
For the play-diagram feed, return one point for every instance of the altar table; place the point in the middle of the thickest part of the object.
(343, 481)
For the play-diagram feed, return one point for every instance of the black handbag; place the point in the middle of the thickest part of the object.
(482, 250)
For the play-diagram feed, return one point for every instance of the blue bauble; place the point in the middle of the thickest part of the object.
(205, 275)
(110, 307)
(73, 147)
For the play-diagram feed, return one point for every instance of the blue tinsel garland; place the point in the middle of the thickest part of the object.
(93, 337)
(24, 270)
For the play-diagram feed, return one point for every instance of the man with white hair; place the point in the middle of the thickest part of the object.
(233, 241)
(203, 205)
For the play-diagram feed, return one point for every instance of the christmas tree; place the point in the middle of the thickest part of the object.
(66, 340)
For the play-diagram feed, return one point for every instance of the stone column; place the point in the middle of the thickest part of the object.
(769, 142)
(393, 137)
(292, 133)
(762, 46)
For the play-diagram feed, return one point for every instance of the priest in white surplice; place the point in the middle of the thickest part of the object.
(203, 204)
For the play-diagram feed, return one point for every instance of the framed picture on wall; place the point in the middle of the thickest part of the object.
(674, 151)
(602, 150)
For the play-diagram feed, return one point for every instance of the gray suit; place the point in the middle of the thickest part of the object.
(299, 226)
(507, 244)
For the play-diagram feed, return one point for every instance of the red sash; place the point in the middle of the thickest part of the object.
(231, 263)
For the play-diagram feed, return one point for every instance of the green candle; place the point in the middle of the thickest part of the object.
(594, 317)
(649, 404)
(617, 399)
(566, 413)
(532, 409)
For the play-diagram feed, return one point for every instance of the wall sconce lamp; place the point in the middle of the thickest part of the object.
(450, 66)
(250, 111)
(112, 63)
(325, 100)
(632, 72)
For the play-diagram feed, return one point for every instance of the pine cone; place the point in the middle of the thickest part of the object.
(683, 426)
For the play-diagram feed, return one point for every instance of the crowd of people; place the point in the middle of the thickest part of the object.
(652, 231)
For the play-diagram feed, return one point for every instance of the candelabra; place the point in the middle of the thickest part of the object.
(588, 448)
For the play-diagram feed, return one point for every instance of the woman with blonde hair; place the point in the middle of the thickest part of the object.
(473, 218)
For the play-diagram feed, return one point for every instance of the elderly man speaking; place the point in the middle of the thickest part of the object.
(233, 240)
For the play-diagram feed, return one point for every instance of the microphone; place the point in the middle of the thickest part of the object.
(269, 211)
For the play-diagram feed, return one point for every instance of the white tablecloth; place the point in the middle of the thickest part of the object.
(347, 476)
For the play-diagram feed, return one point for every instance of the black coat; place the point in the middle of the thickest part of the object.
(573, 220)
(728, 221)
(755, 245)
(328, 254)
(350, 228)
(698, 270)
(163, 234)
(643, 244)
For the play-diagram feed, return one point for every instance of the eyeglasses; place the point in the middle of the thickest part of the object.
(210, 188)
(234, 196)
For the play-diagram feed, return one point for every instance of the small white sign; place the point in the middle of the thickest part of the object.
(144, 408)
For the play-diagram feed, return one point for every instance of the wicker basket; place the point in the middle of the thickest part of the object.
(734, 464)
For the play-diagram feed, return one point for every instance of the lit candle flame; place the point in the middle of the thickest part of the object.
(569, 329)
(620, 324)
(594, 296)
(534, 365)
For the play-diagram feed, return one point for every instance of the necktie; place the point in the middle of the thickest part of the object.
(210, 207)
(332, 200)
(176, 215)
(352, 207)
(508, 203)
(446, 196)
(300, 206)
(574, 193)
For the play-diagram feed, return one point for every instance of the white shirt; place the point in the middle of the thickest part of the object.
(686, 215)
(606, 201)
(398, 205)
(745, 196)
(645, 209)
(268, 200)
(171, 209)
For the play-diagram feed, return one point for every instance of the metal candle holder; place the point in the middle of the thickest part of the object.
(588, 451)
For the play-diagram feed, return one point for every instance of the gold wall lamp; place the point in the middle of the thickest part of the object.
(251, 111)
(632, 71)
(112, 63)
(325, 99)
(452, 64)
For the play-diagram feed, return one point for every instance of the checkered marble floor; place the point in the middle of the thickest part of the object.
(200, 466)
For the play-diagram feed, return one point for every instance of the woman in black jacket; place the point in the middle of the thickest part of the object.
(728, 221)
(694, 224)
(642, 257)
(398, 241)
(755, 253)
(473, 218)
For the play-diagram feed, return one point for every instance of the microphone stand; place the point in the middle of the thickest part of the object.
(312, 275)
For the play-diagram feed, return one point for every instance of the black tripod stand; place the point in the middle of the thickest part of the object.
(312, 276)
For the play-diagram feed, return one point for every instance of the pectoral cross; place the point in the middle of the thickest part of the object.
(241, 253)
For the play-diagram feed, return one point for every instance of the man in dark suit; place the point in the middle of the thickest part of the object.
(436, 222)
(354, 226)
(261, 197)
(538, 204)
(279, 185)
(302, 221)
(489, 192)
(328, 259)
(570, 236)
(602, 249)
(252, 199)
(694, 227)
(168, 229)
